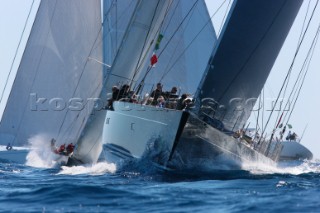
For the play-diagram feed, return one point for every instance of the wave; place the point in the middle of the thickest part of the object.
(41, 155)
(290, 167)
(95, 169)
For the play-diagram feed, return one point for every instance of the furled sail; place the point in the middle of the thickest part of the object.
(251, 40)
(55, 80)
(187, 43)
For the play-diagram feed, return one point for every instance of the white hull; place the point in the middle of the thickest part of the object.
(16, 155)
(130, 130)
(292, 150)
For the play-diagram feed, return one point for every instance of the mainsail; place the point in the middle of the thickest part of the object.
(241, 62)
(116, 17)
(55, 80)
(188, 41)
(136, 42)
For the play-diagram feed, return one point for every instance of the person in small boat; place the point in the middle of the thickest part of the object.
(70, 148)
(156, 93)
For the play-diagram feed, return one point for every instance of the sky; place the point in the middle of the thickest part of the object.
(306, 115)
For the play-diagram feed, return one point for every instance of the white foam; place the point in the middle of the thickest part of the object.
(41, 155)
(294, 167)
(95, 169)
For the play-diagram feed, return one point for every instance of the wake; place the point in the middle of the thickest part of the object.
(95, 169)
(41, 156)
(292, 167)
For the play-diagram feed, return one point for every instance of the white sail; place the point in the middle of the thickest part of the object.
(138, 38)
(116, 17)
(188, 40)
(54, 70)
(137, 41)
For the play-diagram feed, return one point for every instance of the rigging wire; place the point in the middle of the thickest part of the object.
(174, 52)
(142, 83)
(17, 49)
(263, 108)
(307, 69)
(304, 21)
(299, 81)
(116, 21)
(104, 79)
(291, 66)
(287, 82)
(224, 18)
(36, 73)
(82, 72)
(188, 46)
(172, 15)
(257, 118)
(178, 28)
(98, 86)
(141, 57)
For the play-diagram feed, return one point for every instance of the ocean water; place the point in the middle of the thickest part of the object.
(141, 187)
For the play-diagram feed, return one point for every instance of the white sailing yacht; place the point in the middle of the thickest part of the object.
(237, 70)
(60, 88)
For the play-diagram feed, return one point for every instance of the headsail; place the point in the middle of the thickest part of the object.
(251, 40)
(53, 71)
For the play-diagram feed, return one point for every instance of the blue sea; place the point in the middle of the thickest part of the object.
(141, 187)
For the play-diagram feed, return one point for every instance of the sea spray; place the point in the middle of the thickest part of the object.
(291, 167)
(41, 155)
(95, 169)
